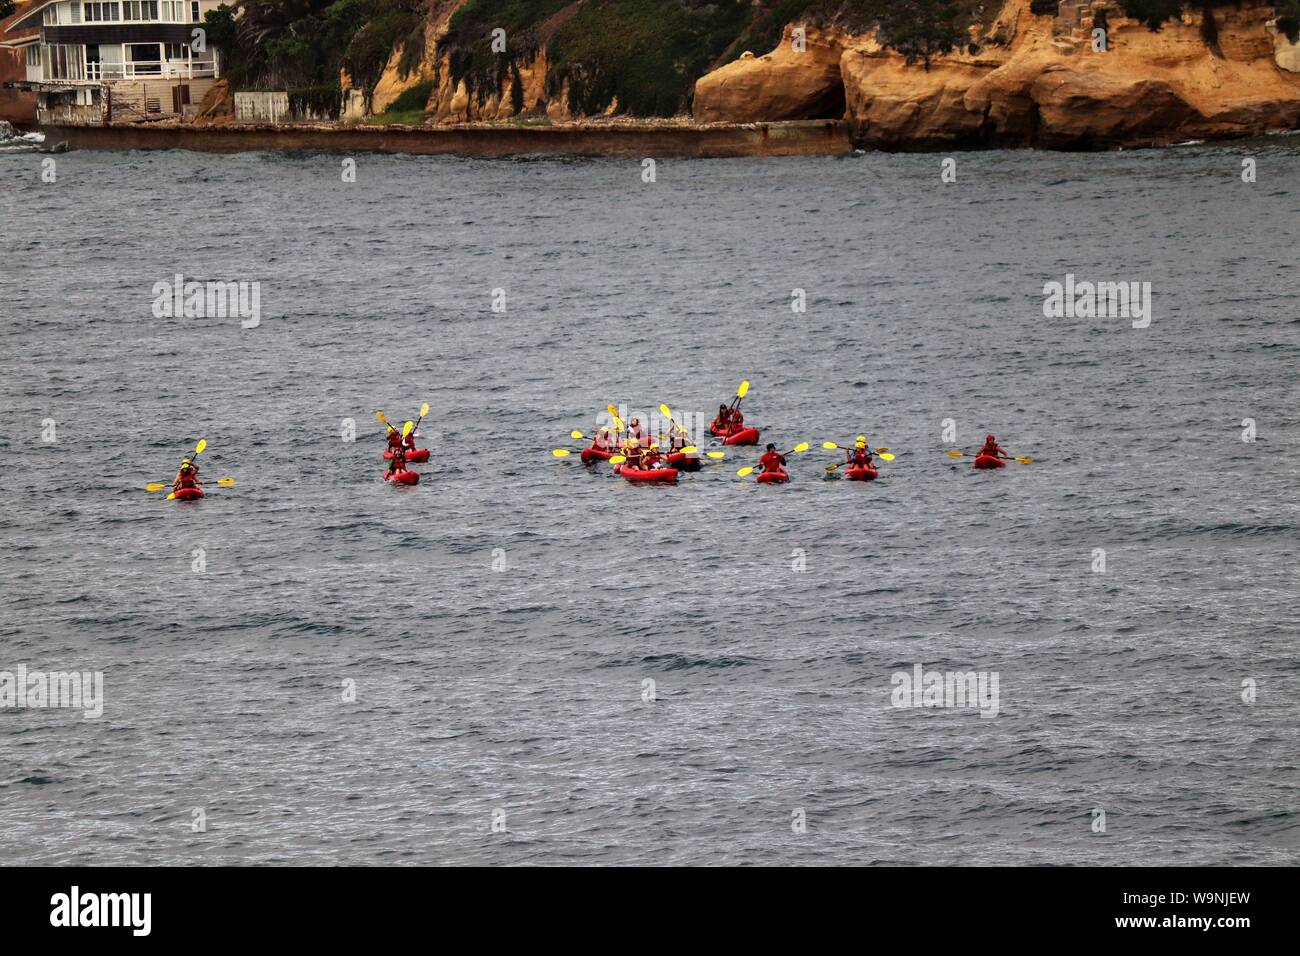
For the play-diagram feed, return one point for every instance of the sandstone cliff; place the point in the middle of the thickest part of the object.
(1032, 80)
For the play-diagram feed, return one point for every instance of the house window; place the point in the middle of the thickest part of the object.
(173, 11)
(140, 10)
(34, 55)
(195, 16)
(176, 51)
(102, 12)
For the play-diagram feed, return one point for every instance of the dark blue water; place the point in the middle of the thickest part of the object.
(519, 695)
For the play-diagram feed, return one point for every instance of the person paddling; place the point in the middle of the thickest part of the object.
(602, 440)
(772, 461)
(860, 456)
(992, 448)
(397, 464)
(719, 424)
(394, 439)
(676, 437)
(652, 457)
(633, 455)
(187, 477)
(636, 432)
(737, 423)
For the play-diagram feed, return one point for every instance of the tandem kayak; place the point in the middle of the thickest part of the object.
(590, 455)
(402, 477)
(989, 461)
(774, 477)
(683, 462)
(187, 494)
(660, 475)
(864, 473)
(746, 436)
(415, 455)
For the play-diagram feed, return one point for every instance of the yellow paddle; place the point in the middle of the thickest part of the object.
(881, 453)
(613, 413)
(749, 469)
(223, 482)
(198, 450)
(1025, 460)
(424, 410)
(560, 452)
(160, 485)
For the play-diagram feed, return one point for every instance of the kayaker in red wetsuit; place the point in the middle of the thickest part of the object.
(187, 477)
(719, 424)
(635, 432)
(394, 438)
(860, 457)
(652, 458)
(397, 463)
(992, 448)
(772, 461)
(602, 441)
(408, 441)
(737, 423)
(633, 455)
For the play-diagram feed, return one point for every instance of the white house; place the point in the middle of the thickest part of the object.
(117, 59)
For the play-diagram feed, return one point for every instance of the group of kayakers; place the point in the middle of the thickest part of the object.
(637, 447)
(729, 421)
(398, 447)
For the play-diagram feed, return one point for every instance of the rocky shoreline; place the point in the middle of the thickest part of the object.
(630, 140)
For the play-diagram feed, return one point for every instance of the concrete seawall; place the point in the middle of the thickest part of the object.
(796, 138)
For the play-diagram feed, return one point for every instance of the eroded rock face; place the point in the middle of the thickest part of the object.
(217, 105)
(794, 81)
(1039, 84)
(1049, 88)
(1285, 53)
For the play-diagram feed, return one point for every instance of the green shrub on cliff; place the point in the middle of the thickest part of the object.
(7, 7)
(920, 29)
(646, 54)
(1152, 12)
(284, 44)
(1288, 19)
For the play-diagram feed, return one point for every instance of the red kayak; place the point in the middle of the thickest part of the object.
(414, 455)
(590, 455)
(402, 477)
(746, 436)
(863, 473)
(654, 475)
(188, 494)
(774, 477)
(989, 461)
(683, 462)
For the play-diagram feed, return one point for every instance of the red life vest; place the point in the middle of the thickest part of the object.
(772, 461)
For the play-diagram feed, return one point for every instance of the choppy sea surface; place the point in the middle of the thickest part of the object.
(553, 666)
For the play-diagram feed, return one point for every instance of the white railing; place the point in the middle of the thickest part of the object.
(161, 69)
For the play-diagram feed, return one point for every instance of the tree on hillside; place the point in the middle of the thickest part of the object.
(6, 8)
(920, 29)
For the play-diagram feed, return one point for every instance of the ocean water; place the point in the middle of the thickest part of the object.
(553, 666)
